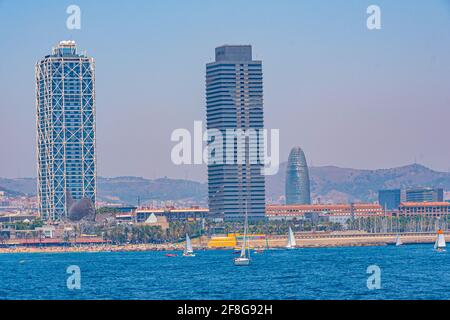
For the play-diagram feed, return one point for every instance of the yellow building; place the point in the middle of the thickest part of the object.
(228, 241)
(231, 240)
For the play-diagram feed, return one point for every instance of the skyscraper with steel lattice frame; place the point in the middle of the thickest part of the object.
(234, 100)
(65, 100)
(297, 178)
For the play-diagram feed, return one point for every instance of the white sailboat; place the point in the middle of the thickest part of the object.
(291, 240)
(440, 245)
(398, 242)
(244, 257)
(188, 251)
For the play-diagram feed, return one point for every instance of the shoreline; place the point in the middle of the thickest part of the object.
(272, 243)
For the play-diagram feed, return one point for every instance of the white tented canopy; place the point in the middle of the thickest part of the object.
(151, 219)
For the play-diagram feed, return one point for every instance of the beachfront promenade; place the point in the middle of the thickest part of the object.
(351, 239)
(338, 239)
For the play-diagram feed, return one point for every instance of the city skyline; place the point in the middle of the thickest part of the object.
(224, 156)
(301, 83)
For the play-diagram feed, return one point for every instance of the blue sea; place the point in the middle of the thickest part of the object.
(406, 272)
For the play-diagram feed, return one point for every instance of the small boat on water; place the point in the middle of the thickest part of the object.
(188, 251)
(440, 245)
(398, 241)
(291, 244)
(244, 257)
(171, 255)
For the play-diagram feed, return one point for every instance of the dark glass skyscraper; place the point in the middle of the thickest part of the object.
(389, 199)
(297, 178)
(234, 100)
(65, 100)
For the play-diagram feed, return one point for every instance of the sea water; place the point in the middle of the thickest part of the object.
(405, 272)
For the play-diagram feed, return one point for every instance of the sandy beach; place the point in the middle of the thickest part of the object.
(91, 248)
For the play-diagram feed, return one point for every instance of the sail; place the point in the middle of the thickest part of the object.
(441, 241)
(244, 241)
(291, 239)
(243, 248)
(398, 242)
(188, 244)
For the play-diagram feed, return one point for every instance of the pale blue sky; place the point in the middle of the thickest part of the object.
(348, 96)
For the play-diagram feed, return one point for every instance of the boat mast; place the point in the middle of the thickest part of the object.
(246, 229)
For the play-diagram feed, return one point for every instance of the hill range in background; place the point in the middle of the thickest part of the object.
(328, 183)
(127, 189)
(123, 189)
(343, 185)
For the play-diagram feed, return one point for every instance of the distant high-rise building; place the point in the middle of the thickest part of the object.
(389, 199)
(297, 178)
(234, 100)
(65, 98)
(425, 195)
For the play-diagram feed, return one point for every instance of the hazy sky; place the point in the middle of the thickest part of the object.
(348, 96)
